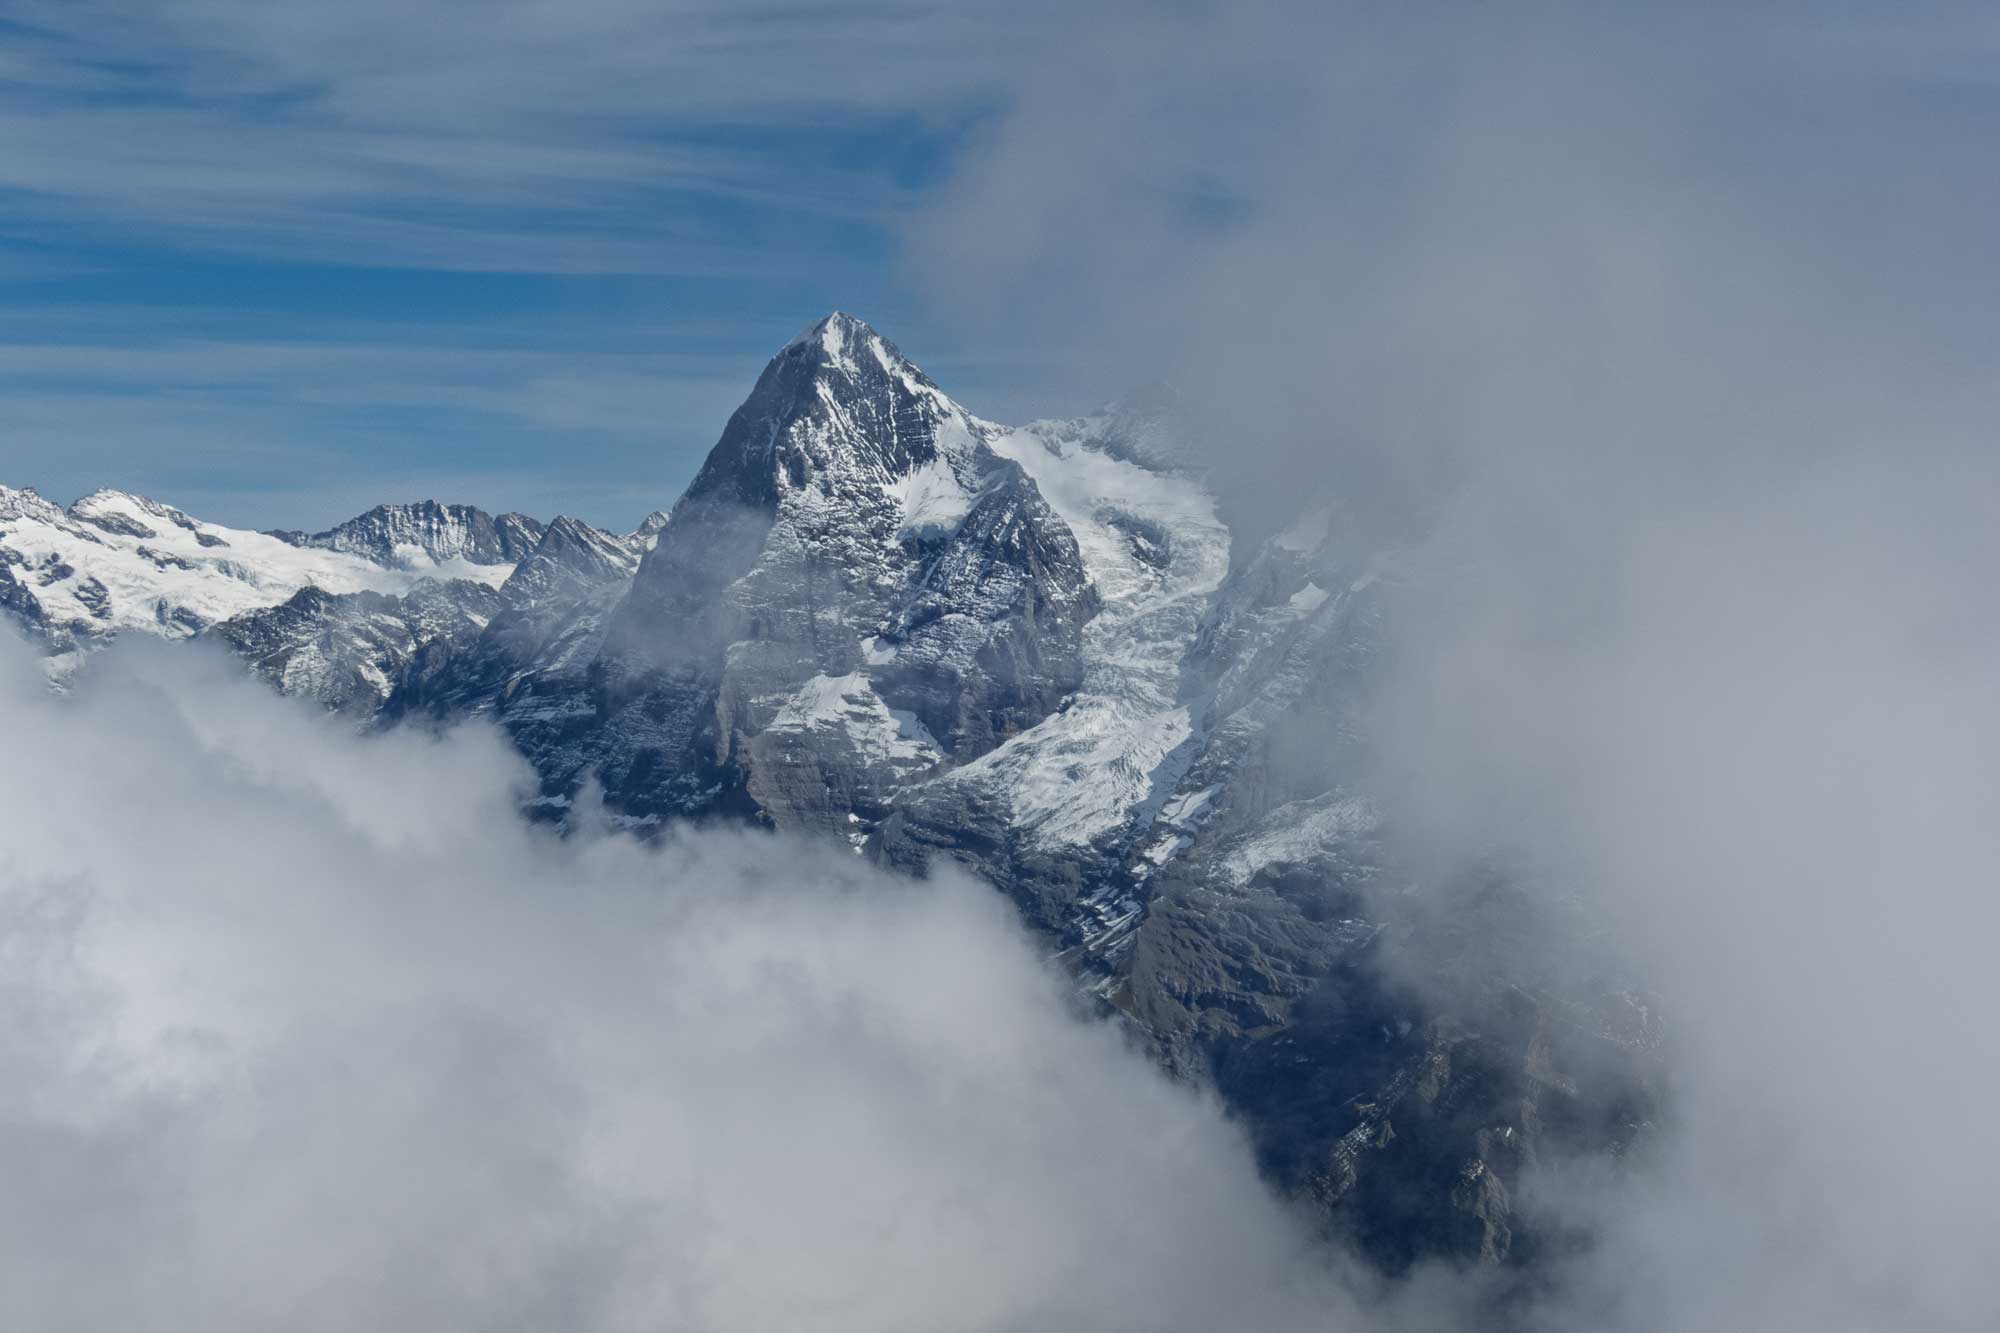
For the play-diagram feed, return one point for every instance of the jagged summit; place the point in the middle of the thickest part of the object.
(572, 558)
(837, 411)
(27, 502)
(648, 531)
(398, 535)
(853, 542)
(834, 327)
(837, 338)
(851, 354)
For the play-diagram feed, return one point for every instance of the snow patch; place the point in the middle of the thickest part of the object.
(1296, 833)
(1189, 805)
(1308, 599)
(932, 500)
(849, 704)
(1082, 774)
(104, 577)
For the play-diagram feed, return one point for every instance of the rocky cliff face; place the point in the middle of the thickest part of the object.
(370, 654)
(856, 589)
(347, 650)
(1040, 653)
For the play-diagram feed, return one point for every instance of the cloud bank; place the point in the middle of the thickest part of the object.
(305, 1030)
(1653, 352)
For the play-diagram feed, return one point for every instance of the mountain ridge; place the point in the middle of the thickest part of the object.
(1041, 653)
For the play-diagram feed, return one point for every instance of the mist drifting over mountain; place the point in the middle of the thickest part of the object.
(1649, 341)
(1467, 802)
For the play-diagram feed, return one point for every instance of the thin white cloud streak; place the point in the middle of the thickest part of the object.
(524, 135)
(461, 59)
(632, 394)
(300, 1029)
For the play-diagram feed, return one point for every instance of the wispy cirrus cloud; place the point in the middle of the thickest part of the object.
(407, 247)
(519, 135)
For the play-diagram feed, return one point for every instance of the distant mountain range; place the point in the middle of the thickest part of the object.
(1039, 652)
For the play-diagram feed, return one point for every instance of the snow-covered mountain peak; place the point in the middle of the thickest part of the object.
(842, 348)
(643, 537)
(411, 536)
(564, 531)
(130, 515)
(841, 417)
(116, 561)
(26, 502)
(840, 340)
(105, 500)
(829, 333)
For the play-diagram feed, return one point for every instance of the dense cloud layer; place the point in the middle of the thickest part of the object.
(307, 1031)
(1655, 351)
(1757, 733)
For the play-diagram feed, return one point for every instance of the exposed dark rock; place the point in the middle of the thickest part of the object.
(164, 559)
(121, 524)
(95, 597)
(348, 650)
(16, 599)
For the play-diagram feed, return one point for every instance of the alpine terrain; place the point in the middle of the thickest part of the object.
(1040, 652)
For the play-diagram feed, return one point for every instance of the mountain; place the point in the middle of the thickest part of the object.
(647, 534)
(353, 652)
(348, 649)
(569, 559)
(856, 588)
(1038, 652)
(428, 533)
(114, 562)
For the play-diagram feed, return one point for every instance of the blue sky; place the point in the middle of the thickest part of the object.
(275, 264)
(276, 261)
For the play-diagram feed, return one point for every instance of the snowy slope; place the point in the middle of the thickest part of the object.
(354, 652)
(1155, 550)
(115, 562)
